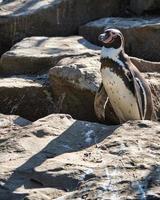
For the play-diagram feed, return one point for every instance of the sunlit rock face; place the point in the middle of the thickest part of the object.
(19, 19)
(36, 54)
(6, 121)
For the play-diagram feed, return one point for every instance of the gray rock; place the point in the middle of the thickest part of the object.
(146, 66)
(75, 82)
(145, 6)
(20, 19)
(58, 157)
(27, 96)
(10, 123)
(12, 120)
(154, 82)
(36, 54)
(141, 34)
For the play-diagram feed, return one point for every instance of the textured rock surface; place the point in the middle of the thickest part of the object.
(26, 96)
(154, 82)
(12, 120)
(146, 66)
(74, 83)
(37, 54)
(9, 123)
(145, 6)
(60, 157)
(76, 80)
(19, 19)
(141, 34)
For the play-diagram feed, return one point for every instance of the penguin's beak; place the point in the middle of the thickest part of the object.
(106, 37)
(102, 37)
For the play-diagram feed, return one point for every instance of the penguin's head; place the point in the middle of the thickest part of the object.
(111, 38)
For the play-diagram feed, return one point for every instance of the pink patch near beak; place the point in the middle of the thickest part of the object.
(109, 39)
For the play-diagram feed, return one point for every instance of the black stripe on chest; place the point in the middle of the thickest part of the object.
(123, 72)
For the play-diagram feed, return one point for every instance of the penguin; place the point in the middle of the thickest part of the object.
(128, 92)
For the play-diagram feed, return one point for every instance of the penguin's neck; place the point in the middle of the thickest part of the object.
(112, 54)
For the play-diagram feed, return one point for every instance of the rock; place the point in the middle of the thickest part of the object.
(146, 66)
(12, 120)
(154, 81)
(27, 96)
(145, 6)
(59, 157)
(9, 123)
(20, 19)
(141, 34)
(36, 54)
(75, 82)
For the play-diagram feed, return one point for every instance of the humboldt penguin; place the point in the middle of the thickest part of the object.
(128, 92)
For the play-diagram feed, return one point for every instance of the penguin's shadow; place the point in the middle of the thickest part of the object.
(71, 140)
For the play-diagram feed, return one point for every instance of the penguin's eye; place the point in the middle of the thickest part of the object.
(114, 35)
(107, 32)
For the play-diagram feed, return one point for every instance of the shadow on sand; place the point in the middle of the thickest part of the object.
(71, 140)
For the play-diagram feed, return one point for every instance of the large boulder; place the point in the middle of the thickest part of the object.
(36, 54)
(58, 157)
(27, 96)
(20, 19)
(75, 82)
(141, 34)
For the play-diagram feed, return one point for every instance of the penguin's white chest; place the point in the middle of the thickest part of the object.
(123, 101)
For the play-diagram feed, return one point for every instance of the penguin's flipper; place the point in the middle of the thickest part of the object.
(100, 102)
(103, 108)
(140, 93)
(140, 96)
